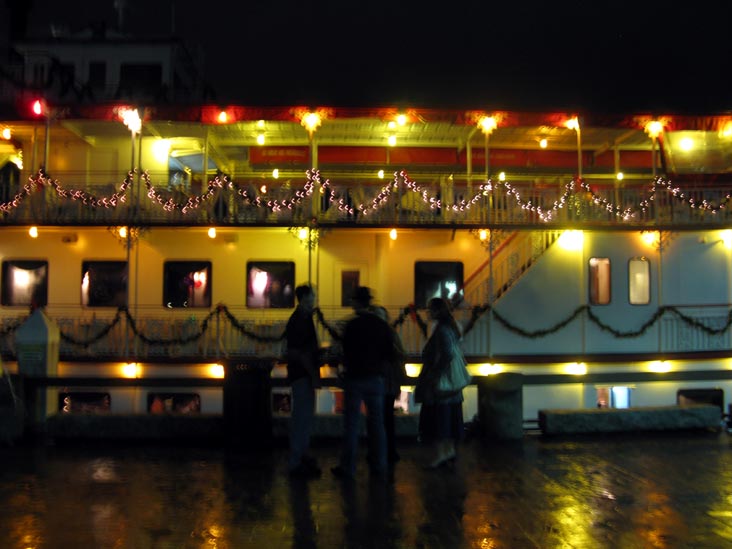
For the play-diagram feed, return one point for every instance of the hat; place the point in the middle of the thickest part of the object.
(362, 294)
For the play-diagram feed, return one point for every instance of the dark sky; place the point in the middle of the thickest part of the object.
(519, 55)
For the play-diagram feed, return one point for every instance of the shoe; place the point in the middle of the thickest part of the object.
(304, 471)
(341, 473)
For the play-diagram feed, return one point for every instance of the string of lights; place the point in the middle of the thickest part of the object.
(576, 190)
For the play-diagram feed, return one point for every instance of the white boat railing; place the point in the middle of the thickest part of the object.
(523, 202)
(117, 336)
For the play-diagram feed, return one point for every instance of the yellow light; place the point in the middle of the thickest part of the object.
(6, 133)
(276, 173)
(260, 139)
(726, 130)
(651, 238)
(573, 123)
(413, 370)
(263, 188)
(122, 232)
(391, 124)
(483, 234)
(726, 237)
(223, 117)
(619, 176)
(131, 370)
(489, 369)
(543, 143)
(131, 119)
(302, 233)
(311, 121)
(212, 232)
(161, 149)
(260, 124)
(571, 241)
(654, 128)
(686, 144)
(393, 234)
(33, 232)
(487, 124)
(216, 371)
(401, 119)
(576, 368)
(380, 174)
(502, 176)
(659, 367)
(391, 140)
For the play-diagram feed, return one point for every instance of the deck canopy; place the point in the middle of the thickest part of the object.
(240, 141)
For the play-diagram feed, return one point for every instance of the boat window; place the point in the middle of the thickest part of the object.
(25, 283)
(350, 280)
(270, 284)
(84, 402)
(187, 284)
(175, 403)
(599, 281)
(639, 281)
(613, 397)
(104, 283)
(437, 279)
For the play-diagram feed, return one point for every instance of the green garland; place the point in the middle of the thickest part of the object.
(409, 311)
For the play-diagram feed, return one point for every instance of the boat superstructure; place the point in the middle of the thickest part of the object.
(161, 235)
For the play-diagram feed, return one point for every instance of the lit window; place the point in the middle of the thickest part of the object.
(174, 403)
(639, 281)
(25, 283)
(270, 284)
(438, 279)
(104, 283)
(187, 284)
(599, 281)
(613, 397)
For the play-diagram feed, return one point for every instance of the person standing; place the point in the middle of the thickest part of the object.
(396, 376)
(368, 347)
(303, 373)
(441, 415)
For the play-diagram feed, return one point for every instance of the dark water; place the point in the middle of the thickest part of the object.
(617, 491)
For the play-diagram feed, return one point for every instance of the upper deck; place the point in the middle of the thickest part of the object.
(239, 166)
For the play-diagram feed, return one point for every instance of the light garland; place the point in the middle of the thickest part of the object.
(576, 193)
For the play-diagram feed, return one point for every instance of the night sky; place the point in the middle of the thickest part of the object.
(517, 55)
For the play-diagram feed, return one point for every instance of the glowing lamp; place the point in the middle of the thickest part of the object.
(38, 107)
(654, 128)
(33, 232)
(212, 232)
(487, 124)
(6, 133)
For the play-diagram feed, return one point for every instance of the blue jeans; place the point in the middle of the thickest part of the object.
(369, 390)
(301, 419)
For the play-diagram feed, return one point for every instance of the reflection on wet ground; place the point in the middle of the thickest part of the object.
(659, 490)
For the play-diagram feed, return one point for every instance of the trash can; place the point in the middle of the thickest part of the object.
(500, 406)
(247, 403)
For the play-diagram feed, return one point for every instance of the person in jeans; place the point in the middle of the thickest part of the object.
(368, 348)
(303, 373)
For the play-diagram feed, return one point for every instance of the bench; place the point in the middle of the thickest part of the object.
(613, 420)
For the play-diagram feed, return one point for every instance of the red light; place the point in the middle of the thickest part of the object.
(38, 107)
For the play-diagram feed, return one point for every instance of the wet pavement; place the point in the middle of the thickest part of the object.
(624, 491)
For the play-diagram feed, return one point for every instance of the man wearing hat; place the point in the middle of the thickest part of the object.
(368, 346)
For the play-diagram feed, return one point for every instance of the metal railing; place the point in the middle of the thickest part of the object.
(176, 338)
(524, 202)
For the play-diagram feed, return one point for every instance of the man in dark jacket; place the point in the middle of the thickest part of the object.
(368, 348)
(303, 373)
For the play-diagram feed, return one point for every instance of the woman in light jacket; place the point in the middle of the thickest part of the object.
(441, 415)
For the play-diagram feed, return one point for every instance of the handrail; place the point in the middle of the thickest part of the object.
(516, 204)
